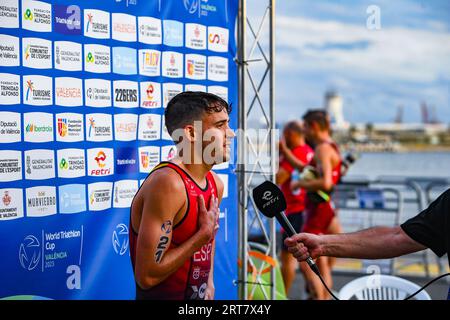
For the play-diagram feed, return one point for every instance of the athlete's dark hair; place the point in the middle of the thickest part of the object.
(187, 107)
(294, 126)
(319, 116)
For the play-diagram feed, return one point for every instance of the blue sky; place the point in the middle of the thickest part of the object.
(322, 45)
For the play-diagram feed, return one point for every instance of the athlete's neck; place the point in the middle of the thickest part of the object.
(198, 172)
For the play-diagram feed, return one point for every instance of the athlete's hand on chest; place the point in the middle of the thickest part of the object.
(208, 219)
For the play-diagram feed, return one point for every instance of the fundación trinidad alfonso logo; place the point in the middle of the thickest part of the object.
(28, 15)
(6, 198)
(62, 127)
(90, 16)
(63, 164)
(120, 239)
(100, 158)
(30, 89)
(30, 253)
(90, 57)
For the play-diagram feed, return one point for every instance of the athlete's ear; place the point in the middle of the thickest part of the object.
(189, 132)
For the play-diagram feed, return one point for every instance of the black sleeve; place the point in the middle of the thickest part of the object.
(430, 226)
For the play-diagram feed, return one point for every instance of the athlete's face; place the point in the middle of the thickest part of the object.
(217, 137)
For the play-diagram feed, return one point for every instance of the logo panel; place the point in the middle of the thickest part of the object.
(67, 19)
(170, 90)
(125, 94)
(173, 33)
(10, 127)
(124, 27)
(9, 14)
(100, 162)
(217, 69)
(71, 163)
(11, 204)
(150, 95)
(96, 24)
(98, 127)
(97, 58)
(124, 61)
(97, 93)
(195, 66)
(68, 92)
(39, 164)
(68, 56)
(172, 64)
(125, 126)
(9, 50)
(149, 127)
(41, 201)
(195, 36)
(124, 191)
(36, 16)
(38, 90)
(72, 198)
(150, 31)
(69, 127)
(38, 127)
(148, 158)
(100, 195)
(10, 165)
(149, 62)
(218, 39)
(9, 88)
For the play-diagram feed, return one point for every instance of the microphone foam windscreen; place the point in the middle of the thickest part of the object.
(269, 199)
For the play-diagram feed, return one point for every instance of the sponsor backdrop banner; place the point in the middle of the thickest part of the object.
(83, 87)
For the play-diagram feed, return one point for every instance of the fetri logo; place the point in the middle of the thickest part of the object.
(100, 158)
(149, 91)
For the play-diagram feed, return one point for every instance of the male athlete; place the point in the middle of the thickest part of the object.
(174, 215)
(320, 215)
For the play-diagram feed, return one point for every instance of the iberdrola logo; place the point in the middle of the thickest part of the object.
(29, 88)
(28, 15)
(90, 57)
(90, 16)
(30, 127)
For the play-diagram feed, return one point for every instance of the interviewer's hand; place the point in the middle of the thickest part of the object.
(304, 245)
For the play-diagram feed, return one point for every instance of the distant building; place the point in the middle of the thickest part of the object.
(334, 107)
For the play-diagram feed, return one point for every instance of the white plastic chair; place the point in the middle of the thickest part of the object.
(381, 287)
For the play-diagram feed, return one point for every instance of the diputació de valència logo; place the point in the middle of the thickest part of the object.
(52, 251)
(120, 239)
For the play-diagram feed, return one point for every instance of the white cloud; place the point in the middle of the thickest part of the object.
(396, 53)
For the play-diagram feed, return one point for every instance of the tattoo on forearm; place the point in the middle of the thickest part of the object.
(166, 227)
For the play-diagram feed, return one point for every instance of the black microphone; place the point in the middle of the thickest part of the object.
(271, 202)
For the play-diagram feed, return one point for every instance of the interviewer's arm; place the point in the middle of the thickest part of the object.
(373, 243)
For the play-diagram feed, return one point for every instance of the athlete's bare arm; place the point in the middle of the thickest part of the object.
(326, 159)
(210, 291)
(282, 176)
(163, 199)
